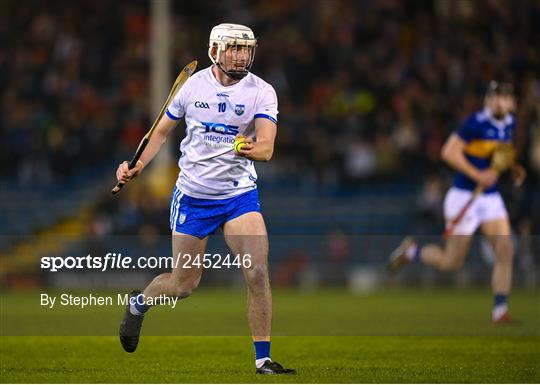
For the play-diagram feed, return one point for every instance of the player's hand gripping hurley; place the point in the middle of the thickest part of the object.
(186, 72)
(503, 158)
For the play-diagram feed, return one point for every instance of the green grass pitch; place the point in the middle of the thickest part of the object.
(328, 336)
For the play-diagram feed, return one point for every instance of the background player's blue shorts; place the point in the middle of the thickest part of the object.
(201, 217)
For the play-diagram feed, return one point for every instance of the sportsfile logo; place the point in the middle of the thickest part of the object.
(117, 261)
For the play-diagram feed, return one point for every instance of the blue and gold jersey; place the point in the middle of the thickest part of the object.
(482, 133)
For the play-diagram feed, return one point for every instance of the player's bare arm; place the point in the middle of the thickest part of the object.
(262, 149)
(518, 171)
(453, 153)
(164, 128)
(519, 174)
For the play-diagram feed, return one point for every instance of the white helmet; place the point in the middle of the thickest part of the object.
(225, 35)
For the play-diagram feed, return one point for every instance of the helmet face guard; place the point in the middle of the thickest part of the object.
(236, 38)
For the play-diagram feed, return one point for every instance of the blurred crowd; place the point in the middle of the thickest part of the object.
(74, 84)
(368, 90)
(371, 90)
(374, 88)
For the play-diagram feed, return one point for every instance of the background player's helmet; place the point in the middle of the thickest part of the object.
(225, 35)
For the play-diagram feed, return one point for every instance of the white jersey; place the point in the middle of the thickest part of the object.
(215, 114)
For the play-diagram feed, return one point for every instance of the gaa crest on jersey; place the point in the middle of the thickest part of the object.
(182, 218)
(239, 109)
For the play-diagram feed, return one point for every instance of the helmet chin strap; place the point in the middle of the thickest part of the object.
(233, 74)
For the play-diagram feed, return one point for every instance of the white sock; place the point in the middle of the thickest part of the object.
(133, 310)
(410, 252)
(499, 311)
(260, 362)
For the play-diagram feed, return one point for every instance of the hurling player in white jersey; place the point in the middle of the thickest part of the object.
(216, 186)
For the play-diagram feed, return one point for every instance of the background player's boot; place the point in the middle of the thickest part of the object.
(399, 259)
(130, 327)
(272, 367)
(506, 319)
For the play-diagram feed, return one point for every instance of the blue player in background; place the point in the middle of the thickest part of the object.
(469, 151)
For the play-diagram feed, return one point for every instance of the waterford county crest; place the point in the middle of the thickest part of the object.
(239, 109)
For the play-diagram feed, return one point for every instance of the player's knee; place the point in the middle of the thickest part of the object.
(504, 250)
(257, 277)
(454, 263)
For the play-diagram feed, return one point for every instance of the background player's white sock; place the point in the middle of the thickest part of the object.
(500, 306)
(412, 252)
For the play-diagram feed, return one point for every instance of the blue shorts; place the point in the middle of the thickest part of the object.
(201, 217)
